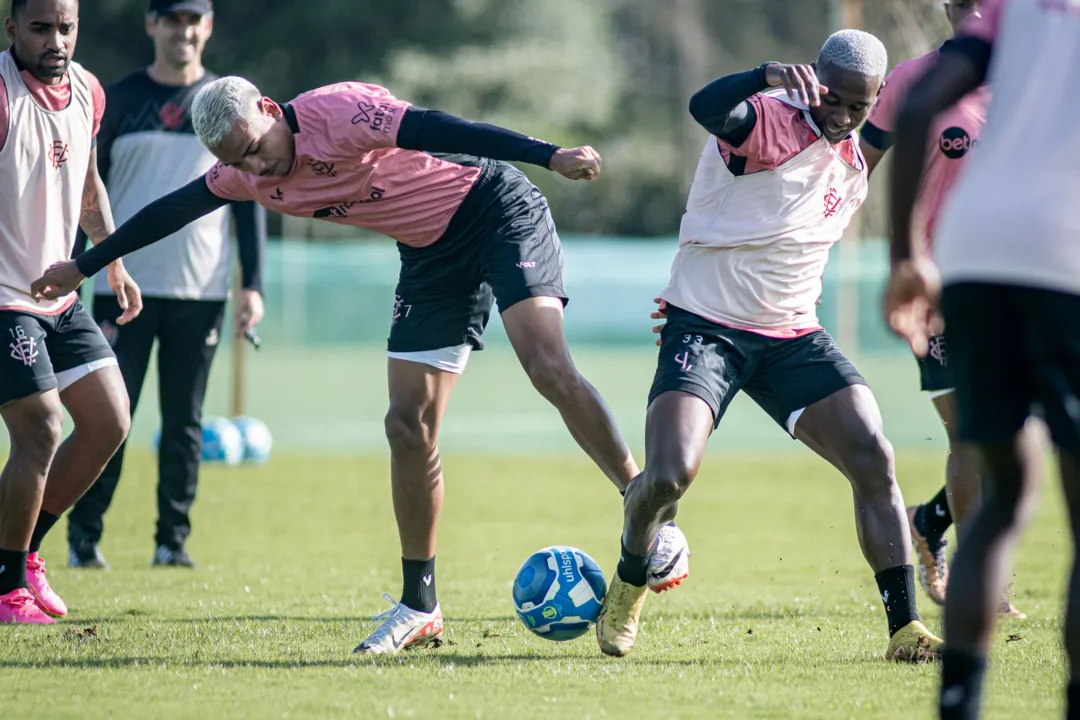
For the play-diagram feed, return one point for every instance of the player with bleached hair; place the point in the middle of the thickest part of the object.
(779, 179)
(471, 231)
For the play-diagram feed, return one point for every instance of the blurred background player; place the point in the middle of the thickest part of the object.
(956, 134)
(1008, 247)
(780, 178)
(471, 231)
(54, 357)
(146, 149)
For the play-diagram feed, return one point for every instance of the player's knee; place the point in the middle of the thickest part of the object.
(667, 482)
(38, 436)
(871, 463)
(408, 430)
(110, 425)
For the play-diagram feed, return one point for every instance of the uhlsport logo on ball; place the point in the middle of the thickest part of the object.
(558, 592)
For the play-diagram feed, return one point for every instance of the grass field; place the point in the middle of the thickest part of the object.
(780, 617)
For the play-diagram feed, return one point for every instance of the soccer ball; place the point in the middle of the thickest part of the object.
(256, 439)
(558, 593)
(221, 442)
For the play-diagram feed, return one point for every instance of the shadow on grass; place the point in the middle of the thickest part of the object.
(410, 660)
(138, 618)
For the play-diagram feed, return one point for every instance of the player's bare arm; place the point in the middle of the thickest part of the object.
(911, 296)
(96, 220)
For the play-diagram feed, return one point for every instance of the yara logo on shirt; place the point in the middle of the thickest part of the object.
(342, 209)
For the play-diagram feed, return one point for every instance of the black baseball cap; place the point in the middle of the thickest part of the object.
(169, 7)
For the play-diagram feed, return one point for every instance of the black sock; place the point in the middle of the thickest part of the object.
(45, 522)
(932, 519)
(1072, 701)
(961, 684)
(632, 568)
(897, 588)
(418, 588)
(12, 570)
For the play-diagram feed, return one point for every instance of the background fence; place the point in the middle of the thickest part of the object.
(319, 380)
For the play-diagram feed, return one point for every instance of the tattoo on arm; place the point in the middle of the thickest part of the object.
(96, 218)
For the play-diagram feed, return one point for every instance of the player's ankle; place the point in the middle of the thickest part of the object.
(633, 569)
(12, 570)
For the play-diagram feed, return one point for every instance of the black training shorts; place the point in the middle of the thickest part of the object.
(714, 362)
(935, 373)
(1015, 350)
(41, 346)
(501, 245)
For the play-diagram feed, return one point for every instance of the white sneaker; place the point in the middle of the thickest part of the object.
(669, 561)
(402, 628)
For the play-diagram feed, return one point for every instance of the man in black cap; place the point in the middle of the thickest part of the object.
(146, 149)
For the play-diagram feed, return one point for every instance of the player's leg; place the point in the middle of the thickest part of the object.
(697, 374)
(419, 393)
(535, 328)
(92, 391)
(439, 315)
(846, 430)
(809, 388)
(188, 335)
(522, 259)
(1070, 479)
(33, 415)
(132, 344)
(994, 393)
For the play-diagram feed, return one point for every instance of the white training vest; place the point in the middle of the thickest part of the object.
(43, 167)
(752, 248)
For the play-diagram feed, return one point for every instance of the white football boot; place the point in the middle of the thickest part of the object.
(669, 561)
(402, 628)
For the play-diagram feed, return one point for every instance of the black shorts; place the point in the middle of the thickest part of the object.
(42, 346)
(935, 373)
(501, 245)
(1015, 350)
(715, 362)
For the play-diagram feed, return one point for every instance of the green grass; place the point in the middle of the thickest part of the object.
(780, 617)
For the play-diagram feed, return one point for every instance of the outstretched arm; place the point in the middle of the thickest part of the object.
(439, 132)
(157, 220)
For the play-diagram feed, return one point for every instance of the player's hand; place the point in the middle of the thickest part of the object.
(249, 311)
(660, 313)
(128, 294)
(911, 303)
(800, 82)
(62, 278)
(581, 163)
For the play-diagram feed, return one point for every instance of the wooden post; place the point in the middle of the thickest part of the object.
(237, 353)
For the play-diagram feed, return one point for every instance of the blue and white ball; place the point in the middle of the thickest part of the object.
(558, 593)
(256, 439)
(221, 442)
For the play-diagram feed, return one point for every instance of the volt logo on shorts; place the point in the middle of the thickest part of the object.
(527, 264)
(23, 347)
(683, 360)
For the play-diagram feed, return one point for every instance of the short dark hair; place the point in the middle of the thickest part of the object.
(17, 5)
